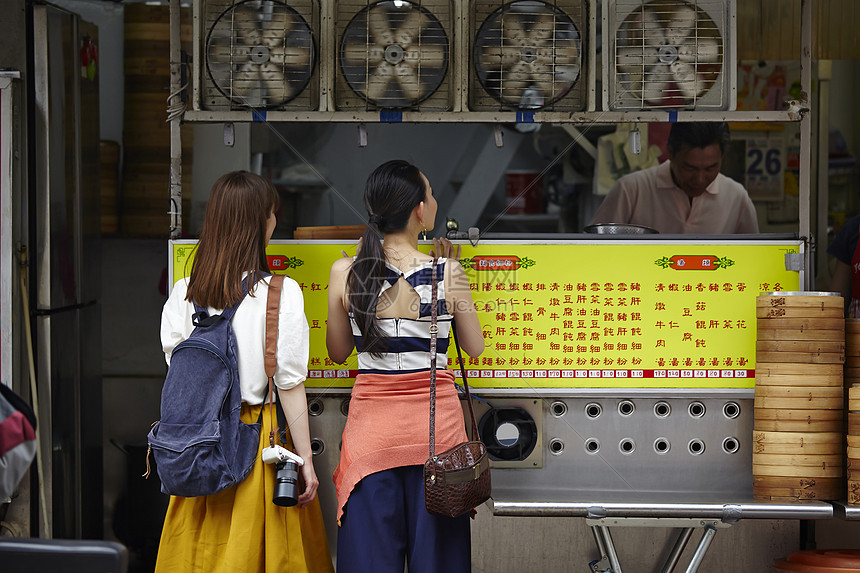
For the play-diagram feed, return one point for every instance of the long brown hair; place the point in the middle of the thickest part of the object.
(233, 239)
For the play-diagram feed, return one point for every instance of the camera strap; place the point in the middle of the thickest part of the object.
(273, 303)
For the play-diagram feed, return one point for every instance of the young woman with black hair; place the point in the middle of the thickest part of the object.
(240, 528)
(379, 304)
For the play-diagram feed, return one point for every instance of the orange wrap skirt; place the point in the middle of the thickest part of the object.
(388, 425)
(241, 530)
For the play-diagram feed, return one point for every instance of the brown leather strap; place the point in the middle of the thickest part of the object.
(475, 433)
(273, 305)
(434, 328)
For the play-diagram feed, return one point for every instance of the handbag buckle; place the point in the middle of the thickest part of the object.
(434, 328)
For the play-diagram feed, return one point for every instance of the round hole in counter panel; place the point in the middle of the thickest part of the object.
(662, 409)
(626, 446)
(592, 446)
(696, 409)
(317, 446)
(731, 445)
(593, 410)
(731, 410)
(558, 408)
(315, 407)
(509, 433)
(696, 446)
(626, 407)
(556, 447)
(662, 445)
(344, 407)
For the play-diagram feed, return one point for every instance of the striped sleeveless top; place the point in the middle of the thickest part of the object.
(408, 340)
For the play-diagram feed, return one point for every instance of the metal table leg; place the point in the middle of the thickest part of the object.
(675, 554)
(699, 555)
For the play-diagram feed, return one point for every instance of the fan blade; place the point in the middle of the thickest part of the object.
(276, 29)
(276, 88)
(566, 55)
(377, 83)
(411, 27)
(542, 28)
(513, 33)
(377, 22)
(290, 57)
(655, 85)
(706, 51)
(681, 26)
(409, 82)
(222, 52)
(360, 54)
(245, 25)
(245, 85)
(427, 55)
(643, 28)
(499, 57)
(633, 60)
(689, 83)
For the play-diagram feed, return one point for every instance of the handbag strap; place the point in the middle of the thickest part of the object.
(273, 304)
(434, 329)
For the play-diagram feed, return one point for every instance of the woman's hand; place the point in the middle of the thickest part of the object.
(311, 483)
(445, 248)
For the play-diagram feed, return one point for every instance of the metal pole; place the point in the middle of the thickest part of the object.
(805, 200)
(702, 548)
(825, 74)
(175, 137)
(675, 554)
(610, 548)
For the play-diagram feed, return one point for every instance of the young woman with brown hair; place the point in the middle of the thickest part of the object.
(240, 528)
(380, 304)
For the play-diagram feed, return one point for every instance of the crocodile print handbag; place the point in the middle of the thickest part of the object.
(457, 480)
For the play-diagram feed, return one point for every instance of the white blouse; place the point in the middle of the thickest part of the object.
(249, 327)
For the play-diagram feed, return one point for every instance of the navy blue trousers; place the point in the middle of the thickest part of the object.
(385, 524)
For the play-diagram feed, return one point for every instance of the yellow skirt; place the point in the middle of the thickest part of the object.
(241, 530)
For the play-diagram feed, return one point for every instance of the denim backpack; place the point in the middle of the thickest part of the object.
(200, 445)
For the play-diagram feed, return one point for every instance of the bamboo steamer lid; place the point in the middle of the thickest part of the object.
(832, 471)
(799, 299)
(853, 474)
(764, 369)
(801, 403)
(852, 361)
(797, 442)
(852, 349)
(851, 373)
(796, 482)
(799, 380)
(813, 346)
(810, 393)
(785, 414)
(803, 324)
(768, 312)
(854, 423)
(852, 325)
(853, 453)
(801, 357)
(798, 425)
(798, 334)
(853, 441)
(806, 460)
(854, 492)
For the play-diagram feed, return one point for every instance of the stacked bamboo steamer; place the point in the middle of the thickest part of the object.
(852, 387)
(799, 398)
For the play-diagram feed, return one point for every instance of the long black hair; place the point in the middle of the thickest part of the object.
(392, 191)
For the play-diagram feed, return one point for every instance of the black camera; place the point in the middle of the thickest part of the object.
(286, 484)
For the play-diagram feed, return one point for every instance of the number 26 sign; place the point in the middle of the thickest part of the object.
(765, 168)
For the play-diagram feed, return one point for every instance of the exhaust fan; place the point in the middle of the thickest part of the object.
(393, 55)
(528, 55)
(258, 54)
(669, 54)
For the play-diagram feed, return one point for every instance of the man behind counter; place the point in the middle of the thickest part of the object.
(687, 193)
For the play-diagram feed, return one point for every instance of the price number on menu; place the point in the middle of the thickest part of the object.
(765, 168)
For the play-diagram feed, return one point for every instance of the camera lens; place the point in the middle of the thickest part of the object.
(286, 484)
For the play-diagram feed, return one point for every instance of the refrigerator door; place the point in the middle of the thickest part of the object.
(67, 271)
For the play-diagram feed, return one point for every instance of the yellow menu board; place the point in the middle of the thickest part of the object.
(581, 314)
